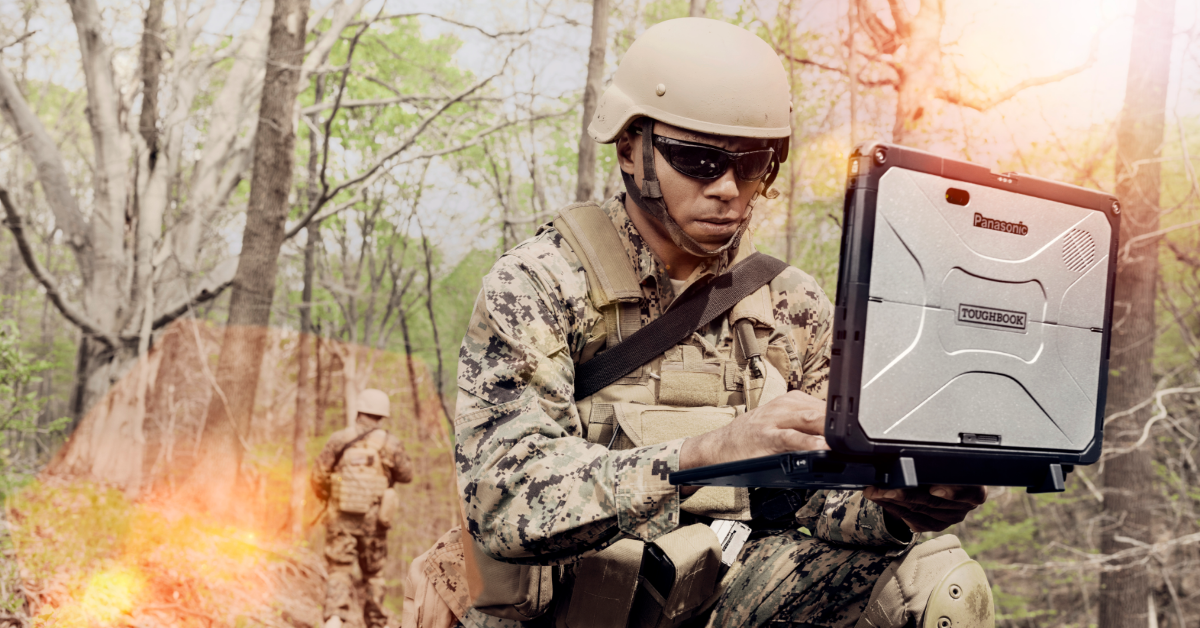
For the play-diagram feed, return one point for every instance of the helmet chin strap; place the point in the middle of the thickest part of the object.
(649, 199)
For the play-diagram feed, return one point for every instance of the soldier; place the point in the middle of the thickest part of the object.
(700, 112)
(354, 475)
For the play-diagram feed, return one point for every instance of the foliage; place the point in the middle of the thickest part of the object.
(22, 430)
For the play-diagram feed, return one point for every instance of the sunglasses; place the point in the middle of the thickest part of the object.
(703, 161)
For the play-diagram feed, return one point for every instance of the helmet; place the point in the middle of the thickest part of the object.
(698, 74)
(701, 75)
(373, 401)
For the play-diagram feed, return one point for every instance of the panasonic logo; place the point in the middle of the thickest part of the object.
(989, 316)
(983, 222)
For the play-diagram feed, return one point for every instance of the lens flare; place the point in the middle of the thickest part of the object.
(111, 593)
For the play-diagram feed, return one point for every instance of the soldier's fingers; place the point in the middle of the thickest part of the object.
(918, 522)
(924, 498)
(971, 494)
(793, 440)
(952, 512)
(807, 422)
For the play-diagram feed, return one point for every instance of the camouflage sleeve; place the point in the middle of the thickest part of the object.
(400, 467)
(802, 308)
(323, 468)
(535, 491)
(848, 518)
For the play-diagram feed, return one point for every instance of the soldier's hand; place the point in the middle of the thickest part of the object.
(792, 422)
(928, 508)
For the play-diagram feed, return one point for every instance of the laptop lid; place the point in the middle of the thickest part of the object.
(973, 311)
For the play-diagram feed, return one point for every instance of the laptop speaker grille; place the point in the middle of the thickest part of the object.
(1079, 250)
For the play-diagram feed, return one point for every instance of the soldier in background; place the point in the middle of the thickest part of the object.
(355, 474)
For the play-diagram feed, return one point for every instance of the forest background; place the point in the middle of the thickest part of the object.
(168, 192)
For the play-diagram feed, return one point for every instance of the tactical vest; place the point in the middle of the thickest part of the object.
(359, 479)
(692, 389)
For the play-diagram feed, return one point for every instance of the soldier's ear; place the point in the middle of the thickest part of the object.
(627, 143)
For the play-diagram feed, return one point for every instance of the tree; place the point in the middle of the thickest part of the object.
(223, 442)
(1128, 473)
(907, 57)
(586, 186)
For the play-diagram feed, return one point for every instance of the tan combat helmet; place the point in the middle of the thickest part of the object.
(702, 75)
(374, 402)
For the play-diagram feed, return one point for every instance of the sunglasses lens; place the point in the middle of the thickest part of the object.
(698, 161)
(751, 166)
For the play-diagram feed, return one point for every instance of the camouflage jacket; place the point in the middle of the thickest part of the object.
(534, 489)
(396, 465)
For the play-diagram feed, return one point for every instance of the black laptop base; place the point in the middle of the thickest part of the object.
(833, 470)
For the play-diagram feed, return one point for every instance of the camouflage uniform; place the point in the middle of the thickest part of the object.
(353, 538)
(536, 491)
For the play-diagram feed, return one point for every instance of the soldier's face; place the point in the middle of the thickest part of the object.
(710, 211)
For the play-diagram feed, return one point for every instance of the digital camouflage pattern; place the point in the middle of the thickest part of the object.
(536, 491)
(356, 539)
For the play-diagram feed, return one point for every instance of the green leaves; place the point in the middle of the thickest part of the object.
(20, 407)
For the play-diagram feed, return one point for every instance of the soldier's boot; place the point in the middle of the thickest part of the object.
(936, 585)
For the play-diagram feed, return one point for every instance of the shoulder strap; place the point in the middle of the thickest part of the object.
(595, 240)
(338, 458)
(698, 309)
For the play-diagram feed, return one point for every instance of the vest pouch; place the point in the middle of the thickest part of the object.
(695, 553)
(604, 588)
(355, 489)
(505, 590)
(649, 425)
(388, 507)
(435, 590)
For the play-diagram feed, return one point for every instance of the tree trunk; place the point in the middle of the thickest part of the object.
(437, 343)
(408, 363)
(920, 74)
(303, 422)
(1129, 478)
(696, 9)
(586, 184)
(151, 60)
(229, 411)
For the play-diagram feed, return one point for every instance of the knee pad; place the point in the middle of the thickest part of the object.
(935, 585)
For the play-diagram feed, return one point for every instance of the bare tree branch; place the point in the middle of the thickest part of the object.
(404, 145)
(52, 173)
(1126, 246)
(18, 40)
(457, 23)
(373, 102)
(69, 311)
(956, 97)
(320, 52)
(883, 38)
(204, 295)
(860, 80)
(366, 181)
(1105, 562)
(337, 101)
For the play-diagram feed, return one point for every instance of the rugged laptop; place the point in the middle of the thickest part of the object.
(971, 336)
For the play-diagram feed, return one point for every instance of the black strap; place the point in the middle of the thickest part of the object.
(338, 458)
(694, 312)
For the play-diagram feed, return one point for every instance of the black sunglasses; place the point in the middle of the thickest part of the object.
(704, 161)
